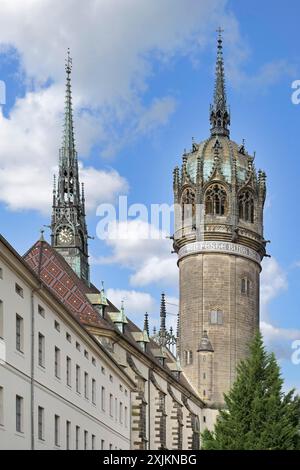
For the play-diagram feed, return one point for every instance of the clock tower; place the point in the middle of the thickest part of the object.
(68, 226)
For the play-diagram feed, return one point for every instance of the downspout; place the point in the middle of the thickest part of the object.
(32, 371)
(149, 422)
(32, 362)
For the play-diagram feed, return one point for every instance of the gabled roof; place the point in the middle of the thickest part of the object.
(56, 273)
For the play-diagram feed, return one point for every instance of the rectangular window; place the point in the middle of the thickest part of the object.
(78, 346)
(110, 405)
(116, 409)
(1, 273)
(216, 317)
(57, 362)
(19, 333)
(56, 325)
(110, 446)
(1, 320)
(102, 444)
(1, 407)
(121, 413)
(93, 361)
(19, 413)
(93, 442)
(103, 398)
(86, 436)
(77, 437)
(126, 417)
(77, 378)
(41, 358)
(86, 354)
(94, 391)
(68, 337)
(86, 385)
(41, 311)
(19, 290)
(41, 424)
(68, 369)
(68, 435)
(56, 430)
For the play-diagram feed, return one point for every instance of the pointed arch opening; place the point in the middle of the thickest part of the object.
(188, 204)
(216, 200)
(246, 206)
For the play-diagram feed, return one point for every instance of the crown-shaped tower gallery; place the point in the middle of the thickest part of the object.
(219, 239)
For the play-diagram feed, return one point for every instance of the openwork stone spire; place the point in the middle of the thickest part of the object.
(68, 133)
(68, 226)
(163, 313)
(219, 114)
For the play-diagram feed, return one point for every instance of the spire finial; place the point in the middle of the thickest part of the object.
(68, 63)
(42, 239)
(219, 114)
(68, 134)
(146, 324)
(163, 313)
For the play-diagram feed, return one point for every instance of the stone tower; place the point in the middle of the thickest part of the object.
(219, 200)
(68, 226)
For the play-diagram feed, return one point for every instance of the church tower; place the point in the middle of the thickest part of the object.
(68, 226)
(219, 199)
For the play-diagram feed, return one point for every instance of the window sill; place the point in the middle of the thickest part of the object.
(19, 353)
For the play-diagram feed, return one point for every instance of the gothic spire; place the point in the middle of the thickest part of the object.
(163, 313)
(68, 225)
(68, 144)
(219, 114)
(146, 324)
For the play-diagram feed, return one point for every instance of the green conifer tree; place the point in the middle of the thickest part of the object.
(258, 414)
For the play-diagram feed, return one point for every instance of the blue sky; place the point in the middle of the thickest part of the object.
(142, 85)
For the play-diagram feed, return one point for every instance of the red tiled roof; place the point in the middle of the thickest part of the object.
(56, 273)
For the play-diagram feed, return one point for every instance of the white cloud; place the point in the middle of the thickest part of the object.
(279, 340)
(143, 249)
(273, 283)
(136, 303)
(113, 44)
(156, 269)
(29, 154)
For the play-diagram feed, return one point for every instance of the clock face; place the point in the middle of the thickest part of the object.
(65, 236)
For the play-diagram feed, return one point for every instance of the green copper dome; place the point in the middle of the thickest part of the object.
(230, 153)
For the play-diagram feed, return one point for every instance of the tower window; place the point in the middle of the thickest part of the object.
(246, 286)
(188, 207)
(246, 206)
(215, 200)
(216, 317)
(188, 357)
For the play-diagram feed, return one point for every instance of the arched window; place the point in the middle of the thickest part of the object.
(215, 200)
(246, 206)
(188, 206)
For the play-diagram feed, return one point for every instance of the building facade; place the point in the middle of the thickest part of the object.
(56, 380)
(219, 239)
